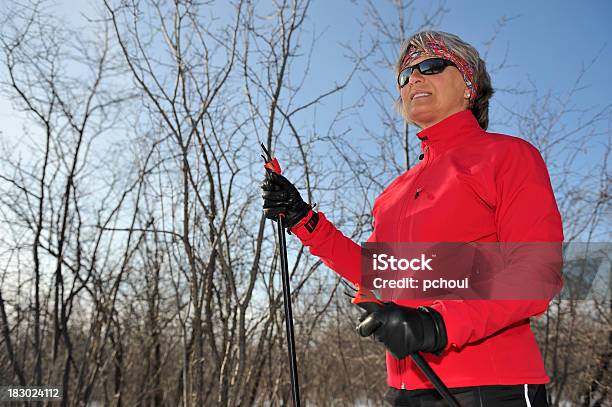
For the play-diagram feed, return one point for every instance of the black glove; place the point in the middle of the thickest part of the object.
(281, 196)
(405, 331)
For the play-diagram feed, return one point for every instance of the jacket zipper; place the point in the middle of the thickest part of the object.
(428, 158)
(424, 165)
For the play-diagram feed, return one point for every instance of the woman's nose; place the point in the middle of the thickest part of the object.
(415, 76)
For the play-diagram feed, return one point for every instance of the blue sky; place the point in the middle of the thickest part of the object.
(547, 41)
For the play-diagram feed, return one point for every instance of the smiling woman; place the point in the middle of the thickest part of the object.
(464, 84)
(428, 99)
(471, 186)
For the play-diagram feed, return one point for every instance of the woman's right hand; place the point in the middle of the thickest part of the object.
(281, 196)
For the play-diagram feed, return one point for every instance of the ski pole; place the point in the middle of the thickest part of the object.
(272, 164)
(367, 300)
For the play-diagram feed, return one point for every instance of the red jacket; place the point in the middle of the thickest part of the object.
(471, 186)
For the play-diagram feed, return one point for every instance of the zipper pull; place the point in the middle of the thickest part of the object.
(417, 192)
(422, 155)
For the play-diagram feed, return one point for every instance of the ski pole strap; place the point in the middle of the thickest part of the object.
(310, 221)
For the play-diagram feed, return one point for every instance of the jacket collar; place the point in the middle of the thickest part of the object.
(459, 128)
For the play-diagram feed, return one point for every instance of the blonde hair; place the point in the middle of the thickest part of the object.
(482, 80)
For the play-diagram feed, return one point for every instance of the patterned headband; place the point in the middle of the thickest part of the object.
(437, 47)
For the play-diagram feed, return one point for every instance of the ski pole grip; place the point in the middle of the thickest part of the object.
(269, 162)
(366, 300)
(274, 166)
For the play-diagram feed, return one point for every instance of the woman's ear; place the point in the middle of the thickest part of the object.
(466, 98)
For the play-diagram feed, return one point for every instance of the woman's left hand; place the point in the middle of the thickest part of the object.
(405, 330)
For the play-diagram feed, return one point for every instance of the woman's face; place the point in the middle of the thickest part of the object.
(429, 99)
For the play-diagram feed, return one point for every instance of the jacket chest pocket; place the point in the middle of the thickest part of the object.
(447, 209)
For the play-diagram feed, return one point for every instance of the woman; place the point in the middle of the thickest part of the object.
(470, 186)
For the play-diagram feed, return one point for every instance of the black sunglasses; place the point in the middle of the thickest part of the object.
(428, 67)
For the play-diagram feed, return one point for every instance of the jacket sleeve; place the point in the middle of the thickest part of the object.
(526, 212)
(325, 241)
